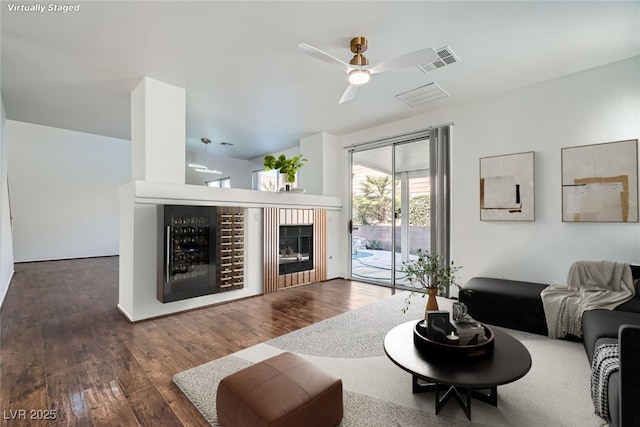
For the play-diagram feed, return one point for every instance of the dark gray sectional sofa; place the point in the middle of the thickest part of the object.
(518, 305)
(622, 327)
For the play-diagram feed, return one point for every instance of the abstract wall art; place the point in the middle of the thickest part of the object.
(600, 182)
(507, 187)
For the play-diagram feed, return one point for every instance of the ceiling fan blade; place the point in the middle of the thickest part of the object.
(323, 56)
(418, 57)
(349, 93)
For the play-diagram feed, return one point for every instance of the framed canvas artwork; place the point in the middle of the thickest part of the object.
(507, 187)
(600, 182)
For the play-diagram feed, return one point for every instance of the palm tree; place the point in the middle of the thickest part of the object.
(376, 190)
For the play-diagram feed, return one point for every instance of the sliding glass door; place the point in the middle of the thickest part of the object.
(413, 201)
(372, 215)
(390, 209)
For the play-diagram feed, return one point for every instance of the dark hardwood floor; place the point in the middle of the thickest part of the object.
(66, 352)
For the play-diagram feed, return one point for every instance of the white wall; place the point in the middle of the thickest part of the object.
(158, 128)
(312, 147)
(240, 171)
(333, 178)
(64, 191)
(321, 176)
(594, 106)
(6, 239)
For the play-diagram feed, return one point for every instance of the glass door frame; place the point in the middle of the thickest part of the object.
(382, 281)
(404, 211)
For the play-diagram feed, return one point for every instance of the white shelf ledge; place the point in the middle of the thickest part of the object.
(160, 193)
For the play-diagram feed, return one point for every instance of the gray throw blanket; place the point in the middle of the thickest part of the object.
(590, 285)
(606, 361)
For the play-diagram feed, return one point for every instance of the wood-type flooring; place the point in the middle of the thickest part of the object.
(68, 355)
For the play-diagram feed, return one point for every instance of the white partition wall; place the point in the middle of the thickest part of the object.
(158, 132)
(139, 203)
(157, 155)
(158, 170)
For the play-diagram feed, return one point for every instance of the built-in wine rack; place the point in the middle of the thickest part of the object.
(230, 272)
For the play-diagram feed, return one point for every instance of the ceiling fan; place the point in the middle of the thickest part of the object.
(358, 68)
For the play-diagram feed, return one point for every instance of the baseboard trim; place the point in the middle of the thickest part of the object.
(66, 259)
(4, 297)
(160, 316)
(124, 313)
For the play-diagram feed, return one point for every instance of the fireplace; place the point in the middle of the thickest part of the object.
(295, 249)
(305, 230)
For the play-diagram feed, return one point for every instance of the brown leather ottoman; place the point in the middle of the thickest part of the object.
(285, 390)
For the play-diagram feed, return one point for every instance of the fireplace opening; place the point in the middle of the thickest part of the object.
(295, 249)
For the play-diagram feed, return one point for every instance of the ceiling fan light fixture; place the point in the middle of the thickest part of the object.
(359, 77)
(358, 69)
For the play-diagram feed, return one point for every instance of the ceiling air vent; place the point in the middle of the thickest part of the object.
(422, 95)
(446, 57)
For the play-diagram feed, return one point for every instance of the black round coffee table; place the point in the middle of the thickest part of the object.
(509, 362)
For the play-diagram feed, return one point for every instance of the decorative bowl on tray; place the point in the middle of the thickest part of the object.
(450, 350)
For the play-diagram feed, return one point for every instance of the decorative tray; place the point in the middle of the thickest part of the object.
(452, 352)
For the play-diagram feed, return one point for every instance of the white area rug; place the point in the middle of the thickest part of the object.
(555, 392)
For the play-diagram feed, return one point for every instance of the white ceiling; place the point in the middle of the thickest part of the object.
(247, 84)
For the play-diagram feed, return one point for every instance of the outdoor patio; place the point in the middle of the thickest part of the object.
(372, 264)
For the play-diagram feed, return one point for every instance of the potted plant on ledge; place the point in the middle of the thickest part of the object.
(431, 273)
(287, 167)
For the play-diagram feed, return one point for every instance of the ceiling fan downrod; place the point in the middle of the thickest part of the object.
(359, 46)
